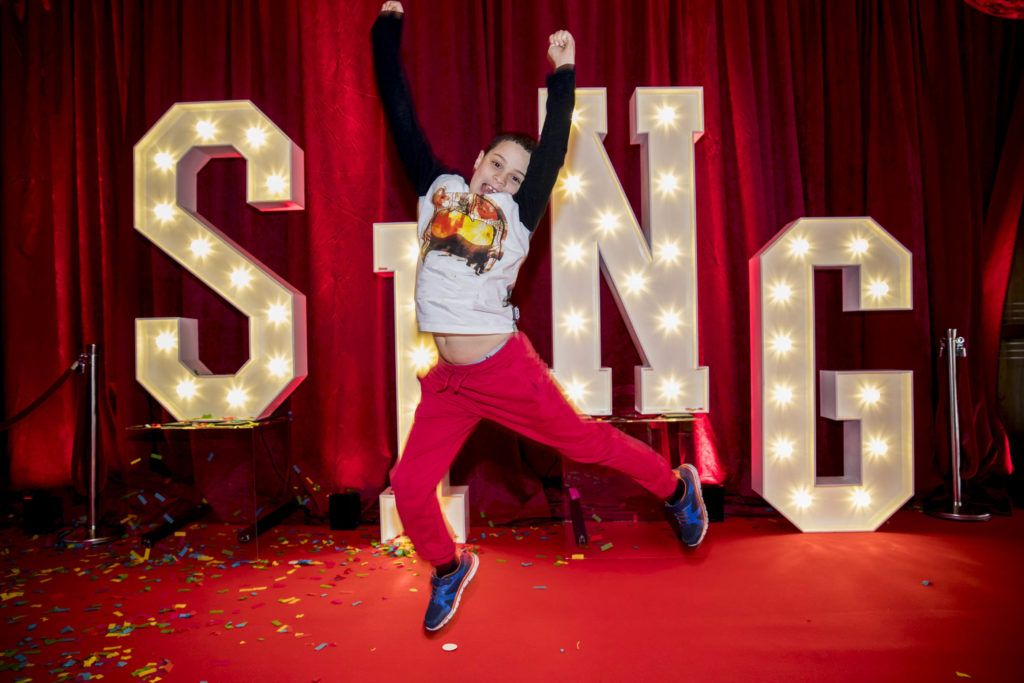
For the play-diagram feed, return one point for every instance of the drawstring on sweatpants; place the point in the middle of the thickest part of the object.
(448, 383)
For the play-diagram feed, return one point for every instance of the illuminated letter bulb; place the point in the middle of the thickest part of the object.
(574, 321)
(781, 344)
(237, 397)
(668, 183)
(799, 246)
(877, 447)
(163, 212)
(666, 116)
(782, 394)
(870, 395)
(802, 499)
(422, 357)
(782, 448)
(669, 320)
(671, 389)
(858, 246)
(166, 341)
(164, 161)
(572, 184)
(861, 498)
(256, 136)
(241, 277)
(635, 283)
(276, 183)
(186, 388)
(277, 366)
(573, 253)
(878, 289)
(669, 252)
(607, 222)
(780, 293)
(277, 313)
(575, 391)
(206, 129)
(200, 247)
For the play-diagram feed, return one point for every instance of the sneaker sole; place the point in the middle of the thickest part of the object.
(703, 508)
(458, 596)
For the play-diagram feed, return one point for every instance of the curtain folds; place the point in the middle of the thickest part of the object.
(910, 112)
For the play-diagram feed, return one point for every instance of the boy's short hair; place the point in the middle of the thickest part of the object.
(527, 142)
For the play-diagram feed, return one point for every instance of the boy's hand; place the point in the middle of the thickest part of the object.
(392, 6)
(561, 48)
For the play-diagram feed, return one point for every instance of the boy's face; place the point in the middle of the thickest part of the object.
(500, 170)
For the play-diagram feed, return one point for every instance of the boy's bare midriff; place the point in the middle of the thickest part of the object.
(462, 349)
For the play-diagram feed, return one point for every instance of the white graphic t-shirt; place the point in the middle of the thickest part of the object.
(471, 247)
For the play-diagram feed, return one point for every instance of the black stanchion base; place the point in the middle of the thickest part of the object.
(965, 512)
(84, 536)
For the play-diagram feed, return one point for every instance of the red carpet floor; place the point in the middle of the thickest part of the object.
(920, 600)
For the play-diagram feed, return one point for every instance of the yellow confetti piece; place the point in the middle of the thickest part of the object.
(13, 594)
(254, 588)
(961, 674)
(577, 556)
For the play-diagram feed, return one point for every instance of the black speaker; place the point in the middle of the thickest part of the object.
(344, 510)
(714, 501)
(43, 513)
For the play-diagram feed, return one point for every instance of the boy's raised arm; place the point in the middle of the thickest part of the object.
(413, 149)
(547, 159)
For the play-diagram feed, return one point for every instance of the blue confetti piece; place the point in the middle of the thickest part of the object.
(321, 646)
(170, 520)
(210, 457)
(357, 603)
(142, 499)
(296, 468)
(31, 627)
(159, 497)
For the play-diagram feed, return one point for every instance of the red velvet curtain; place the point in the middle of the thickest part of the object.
(910, 112)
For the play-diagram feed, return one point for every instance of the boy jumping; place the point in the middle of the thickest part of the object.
(473, 239)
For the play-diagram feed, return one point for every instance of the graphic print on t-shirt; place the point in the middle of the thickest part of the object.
(467, 226)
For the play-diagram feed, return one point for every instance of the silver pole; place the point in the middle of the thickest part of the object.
(955, 348)
(92, 439)
(90, 534)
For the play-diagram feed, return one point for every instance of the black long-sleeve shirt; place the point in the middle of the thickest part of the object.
(419, 161)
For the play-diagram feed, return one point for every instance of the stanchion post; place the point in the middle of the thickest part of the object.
(90, 534)
(954, 347)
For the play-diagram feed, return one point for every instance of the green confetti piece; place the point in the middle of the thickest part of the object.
(607, 546)
(595, 517)
(156, 456)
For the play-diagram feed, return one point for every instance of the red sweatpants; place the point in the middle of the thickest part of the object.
(513, 388)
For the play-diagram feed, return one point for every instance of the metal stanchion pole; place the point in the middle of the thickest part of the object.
(90, 533)
(954, 348)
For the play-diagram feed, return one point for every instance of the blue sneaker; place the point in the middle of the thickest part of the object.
(446, 591)
(689, 517)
